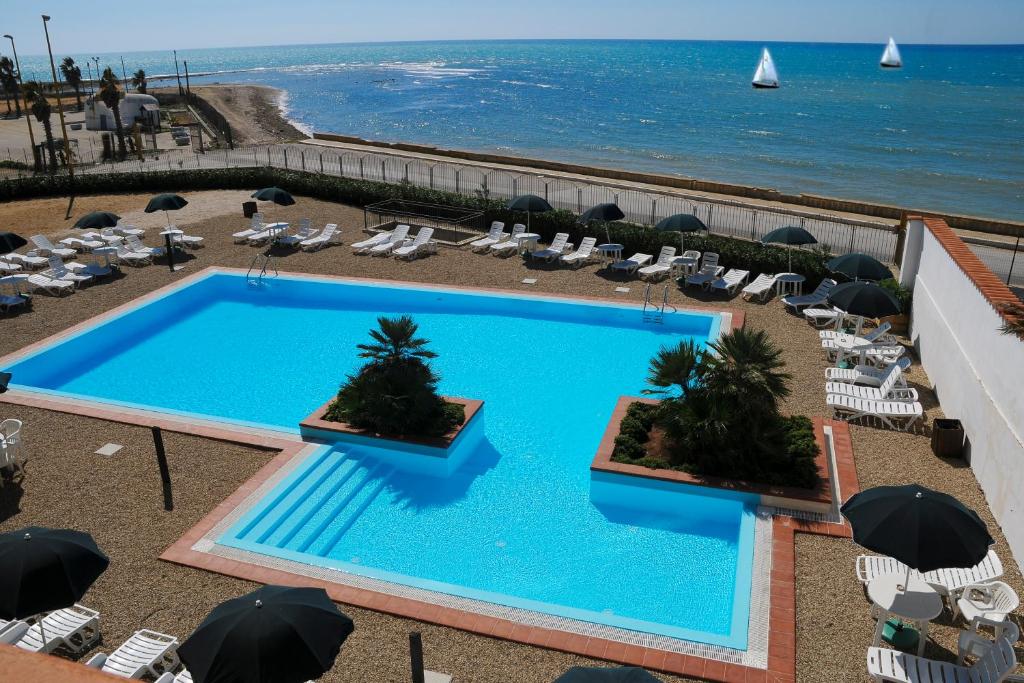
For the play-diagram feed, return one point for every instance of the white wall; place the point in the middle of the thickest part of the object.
(978, 373)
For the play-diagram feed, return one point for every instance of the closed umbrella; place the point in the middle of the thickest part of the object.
(859, 267)
(681, 223)
(10, 242)
(602, 212)
(97, 220)
(790, 236)
(598, 674)
(45, 569)
(530, 203)
(273, 635)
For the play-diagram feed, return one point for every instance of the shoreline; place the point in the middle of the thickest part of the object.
(257, 114)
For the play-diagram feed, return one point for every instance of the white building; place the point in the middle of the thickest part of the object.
(134, 107)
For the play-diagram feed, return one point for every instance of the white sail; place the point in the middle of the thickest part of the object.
(891, 57)
(766, 76)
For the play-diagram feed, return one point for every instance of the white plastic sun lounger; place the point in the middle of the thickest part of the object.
(146, 652)
(397, 239)
(269, 233)
(28, 261)
(6, 267)
(362, 246)
(948, 582)
(894, 414)
(305, 232)
(824, 317)
(660, 268)
(135, 244)
(816, 298)
(760, 289)
(511, 245)
(880, 355)
(495, 235)
(127, 229)
(555, 249)
(632, 264)
(888, 390)
(419, 246)
(50, 285)
(705, 276)
(255, 226)
(731, 281)
(190, 241)
(59, 271)
(82, 245)
(325, 238)
(867, 375)
(582, 255)
(76, 628)
(878, 335)
(132, 258)
(45, 247)
(995, 666)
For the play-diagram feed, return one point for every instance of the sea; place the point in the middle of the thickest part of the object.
(943, 133)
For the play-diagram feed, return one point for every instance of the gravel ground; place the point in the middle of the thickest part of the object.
(833, 627)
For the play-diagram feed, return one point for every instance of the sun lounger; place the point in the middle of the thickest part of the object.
(975, 643)
(631, 264)
(660, 268)
(879, 355)
(398, 238)
(760, 289)
(146, 652)
(9, 301)
(824, 317)
(327, 237)
(6, 267)
(582, 255)
(75, 628)
(419, 246)
(894, 414)
(867, 375)
(995, 666)
(132, 258)
(190, 241)
(50, 285)
(879, 335)
(127, 229)
(45, 247)
(362, 246)
(495, 235)
(555, 250)
(59, 271)
(28, 261)
(949, 582)
(305, 232)
(731, 281)
(255, 226)
(269, 233)
(511, 245)
(135, 244)
(705, 276)
(816, 298)
(82, 245)
(106, 235)
(888, 390)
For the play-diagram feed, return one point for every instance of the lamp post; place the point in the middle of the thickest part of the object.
(177, 73)
(28, 112)
(60, 107)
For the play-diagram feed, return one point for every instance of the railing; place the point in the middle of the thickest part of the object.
(734, 218)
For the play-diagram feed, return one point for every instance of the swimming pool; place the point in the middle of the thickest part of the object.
(522, 522)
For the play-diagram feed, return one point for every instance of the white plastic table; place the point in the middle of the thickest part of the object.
(527, 241)
(684, 265)
(919, 603)
(611, 253)
(789, 283)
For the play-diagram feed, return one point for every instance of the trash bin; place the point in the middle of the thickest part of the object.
(248, 209)
(948, 438)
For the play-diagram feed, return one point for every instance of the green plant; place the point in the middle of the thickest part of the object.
(73, 76)
(41, 109)
(628, 448)
(395, 393)
(110, 95)
(139, 81)
(11, 163)
(1013, 320)
(903, 296)
(9, 81)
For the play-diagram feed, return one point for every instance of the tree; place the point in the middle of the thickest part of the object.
(1014, 320)
(395, 393)
(73, 77)
(139, 81)
(9, 81)
(41, 109)
(110, 95)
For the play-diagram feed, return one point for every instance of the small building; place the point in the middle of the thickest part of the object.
(135, 107)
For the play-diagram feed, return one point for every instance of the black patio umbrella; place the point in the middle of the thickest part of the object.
(530, 203)
(791, 236)
(602, 212)
(166, 202)
(273, 635)
(597, 674)
(274, 194)
(9, 242)
(45, 569)
(681, 223)
(865, 299)
(923, 529)
(859, 267)
(97, 219)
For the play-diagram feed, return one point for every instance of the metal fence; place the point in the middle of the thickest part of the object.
(735, 218)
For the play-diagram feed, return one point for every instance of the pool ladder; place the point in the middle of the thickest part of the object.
(262, 263)
(655, 313)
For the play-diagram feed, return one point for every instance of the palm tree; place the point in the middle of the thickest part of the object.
(675, 369)
(110, 95)
(139, 81)
(1014, 321)
(41, 109)
(9, 81)
(73, 77)
(396, 340)
(745, 372)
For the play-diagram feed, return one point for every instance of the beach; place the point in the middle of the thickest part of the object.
(253, 111)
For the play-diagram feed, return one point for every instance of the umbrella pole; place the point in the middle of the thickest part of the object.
(790, 266)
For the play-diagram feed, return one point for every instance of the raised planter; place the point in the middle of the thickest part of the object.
(817, 500)
(438, 456)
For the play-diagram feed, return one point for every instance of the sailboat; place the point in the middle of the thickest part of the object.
(766, 76)
(891, 57)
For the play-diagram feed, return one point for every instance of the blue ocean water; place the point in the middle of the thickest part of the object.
(517, 521)
(942, 133)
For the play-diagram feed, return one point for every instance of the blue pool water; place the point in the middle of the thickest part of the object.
(521, 522)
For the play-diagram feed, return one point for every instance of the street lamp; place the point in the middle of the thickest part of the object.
(28, 112)
(60, 106)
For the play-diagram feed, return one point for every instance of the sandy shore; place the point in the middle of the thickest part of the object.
(118, 500)
(253, 111)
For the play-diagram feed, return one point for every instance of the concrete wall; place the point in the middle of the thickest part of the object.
(977, 371)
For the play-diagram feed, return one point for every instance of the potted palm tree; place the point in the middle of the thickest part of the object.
(110, 95)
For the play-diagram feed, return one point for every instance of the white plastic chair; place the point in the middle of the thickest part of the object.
(992, 600)
(975, 643)
(11, 453)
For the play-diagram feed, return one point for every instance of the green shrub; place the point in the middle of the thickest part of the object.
(16, 165)
(634, 428)
(628, 448)
(903, 295)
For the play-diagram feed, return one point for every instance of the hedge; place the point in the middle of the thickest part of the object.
(734, 253)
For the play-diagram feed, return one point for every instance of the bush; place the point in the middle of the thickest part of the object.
(16, 165)
(396, 392)
(628, 448)
(903, 295)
